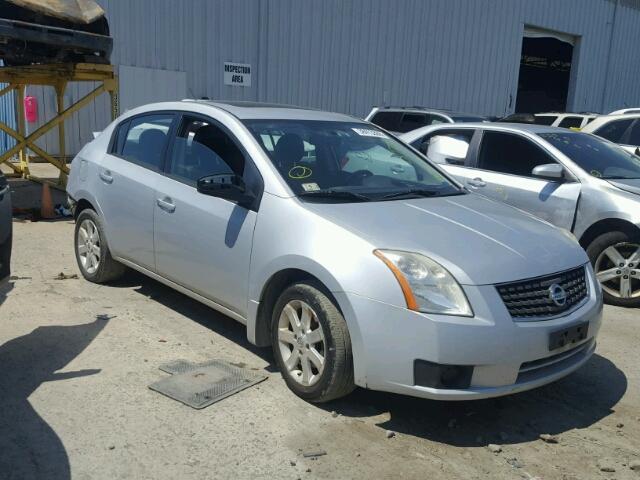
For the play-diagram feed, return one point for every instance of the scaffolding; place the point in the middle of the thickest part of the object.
(57, 76)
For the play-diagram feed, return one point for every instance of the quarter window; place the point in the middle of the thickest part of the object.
(201, 149)
(634, 134)
(570, 122)
(146, 140)
(511, 154)
(614, 131)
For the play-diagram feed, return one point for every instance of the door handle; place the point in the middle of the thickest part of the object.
(397, 169)
(477, 183)
(106, 177)
(166, 205)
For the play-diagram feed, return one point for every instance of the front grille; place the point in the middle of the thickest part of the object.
(532, 298)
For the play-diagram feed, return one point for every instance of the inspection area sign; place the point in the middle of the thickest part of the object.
(237, 74)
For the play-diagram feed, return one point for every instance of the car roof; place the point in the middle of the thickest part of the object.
(429, 109)
(572, 114)
(530, 128)
(272, 111)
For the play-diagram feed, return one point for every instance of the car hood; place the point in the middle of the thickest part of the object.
(631, 185)
(478, 240)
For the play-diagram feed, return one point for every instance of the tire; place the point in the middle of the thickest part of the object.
(336, 377)
(106, 269)
(625, 245)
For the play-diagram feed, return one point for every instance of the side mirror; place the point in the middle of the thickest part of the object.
(637, 152)
(550, 171)
(228, 186)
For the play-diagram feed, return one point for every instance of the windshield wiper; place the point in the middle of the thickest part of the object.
(413, 192)
(338, 194)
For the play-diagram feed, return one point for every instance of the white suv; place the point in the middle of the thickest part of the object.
(622, 129)
(405, 119)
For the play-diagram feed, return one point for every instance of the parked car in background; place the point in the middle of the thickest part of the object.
(390, 276)
(564, 120)
(622, 129)
(6, 229)
(555, 119)
(574, 180)
(405, 119)
(624, 111)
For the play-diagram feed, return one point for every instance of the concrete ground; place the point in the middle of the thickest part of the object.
(76, 360)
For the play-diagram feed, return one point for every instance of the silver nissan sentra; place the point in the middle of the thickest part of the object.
(354, 257)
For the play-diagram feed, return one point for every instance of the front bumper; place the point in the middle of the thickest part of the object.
(507, 356)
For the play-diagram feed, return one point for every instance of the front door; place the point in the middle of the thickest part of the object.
(126, 186)
(505, 163)
(203, 243)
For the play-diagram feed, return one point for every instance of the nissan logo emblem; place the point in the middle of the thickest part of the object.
(558, 295)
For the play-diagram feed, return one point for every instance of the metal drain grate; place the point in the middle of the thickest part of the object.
(200, 385)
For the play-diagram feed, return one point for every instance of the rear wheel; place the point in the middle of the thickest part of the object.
(311, 344)
(92, 252)
(616, 260)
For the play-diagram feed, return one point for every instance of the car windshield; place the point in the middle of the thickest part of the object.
(347, 162)
(599, 157)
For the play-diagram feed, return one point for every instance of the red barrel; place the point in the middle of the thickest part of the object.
(31, 109)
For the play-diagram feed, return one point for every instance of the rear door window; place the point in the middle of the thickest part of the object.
(545, 119)
(412, 121)
(634, 134)
(146, 140)
(511, 154)
(570, 122)
(614, 131)
(387, 120)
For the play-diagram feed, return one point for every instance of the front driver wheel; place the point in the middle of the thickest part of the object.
(616, 260)
(311, 344)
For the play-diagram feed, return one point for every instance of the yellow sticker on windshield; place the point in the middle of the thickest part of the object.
(299, 172)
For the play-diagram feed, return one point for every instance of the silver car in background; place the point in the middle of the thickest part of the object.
(383, 273)
(573, 180)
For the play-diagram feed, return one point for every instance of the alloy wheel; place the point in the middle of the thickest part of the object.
(89, 246)
(301, 342)
(618, 270)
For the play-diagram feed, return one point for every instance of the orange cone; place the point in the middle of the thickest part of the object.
(46, 206)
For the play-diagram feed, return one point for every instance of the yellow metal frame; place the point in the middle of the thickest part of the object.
(56, 76)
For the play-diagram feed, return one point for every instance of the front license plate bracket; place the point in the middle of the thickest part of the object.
(568, 336)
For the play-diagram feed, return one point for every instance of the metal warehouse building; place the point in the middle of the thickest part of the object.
(491, 57)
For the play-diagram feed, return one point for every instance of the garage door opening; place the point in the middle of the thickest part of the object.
(545, 70)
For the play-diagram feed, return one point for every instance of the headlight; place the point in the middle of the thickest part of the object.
(427, 286)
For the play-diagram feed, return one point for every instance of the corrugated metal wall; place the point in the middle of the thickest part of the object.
(349, 55)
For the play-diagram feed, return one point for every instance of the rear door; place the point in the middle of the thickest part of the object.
(503, 171)
(128, 176)
(6, 231)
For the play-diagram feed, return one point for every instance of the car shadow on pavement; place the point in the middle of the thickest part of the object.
(575, 402)
(196, 311)
(4, 291)
(29, 447)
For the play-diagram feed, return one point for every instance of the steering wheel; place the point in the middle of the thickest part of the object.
(361, 174)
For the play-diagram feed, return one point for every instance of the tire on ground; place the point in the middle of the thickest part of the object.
(337, 377)
(599, 245)
(108, 269)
